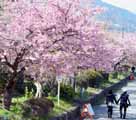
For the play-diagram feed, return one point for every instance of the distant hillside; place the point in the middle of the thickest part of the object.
(119, 19)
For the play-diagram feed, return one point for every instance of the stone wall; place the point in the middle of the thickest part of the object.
(71, 115)
(75, 113)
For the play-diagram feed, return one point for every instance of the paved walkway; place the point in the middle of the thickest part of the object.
(101, 110)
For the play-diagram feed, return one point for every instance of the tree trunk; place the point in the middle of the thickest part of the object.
(74, 85)
(75, 82)
(8, 94)
(7, 98)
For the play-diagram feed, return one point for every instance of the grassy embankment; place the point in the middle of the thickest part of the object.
(16, 112)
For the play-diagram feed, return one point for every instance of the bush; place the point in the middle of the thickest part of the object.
(53, 92)
(105, 75)
(46, 90)
(115, 75)
(30, 86)
(67, 92)
(3, 80)
(5, 75)
(81, 79)
(90, 78)
(39, 107)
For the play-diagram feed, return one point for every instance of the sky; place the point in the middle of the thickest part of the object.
(129, 5)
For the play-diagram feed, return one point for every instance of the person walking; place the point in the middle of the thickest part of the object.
(110, 100)
(124, 103)
(131, 77)
(133, 69)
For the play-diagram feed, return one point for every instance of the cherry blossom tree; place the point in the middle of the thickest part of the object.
(57, 36)
(127, 48)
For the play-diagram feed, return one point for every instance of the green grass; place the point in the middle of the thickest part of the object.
(113, 80)
(16, 110)
(5, 113)
(64, 106)
(87, 93)
(59, 109)
(91, 91)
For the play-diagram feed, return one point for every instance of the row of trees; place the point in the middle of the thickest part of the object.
(56, 36)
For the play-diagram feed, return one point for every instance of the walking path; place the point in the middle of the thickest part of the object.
(101, 110)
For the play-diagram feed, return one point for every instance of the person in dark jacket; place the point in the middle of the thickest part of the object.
(133, 69)
(110, 100)
(124, 103)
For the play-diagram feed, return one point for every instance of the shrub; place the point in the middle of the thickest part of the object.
(90, 78)
(39, 107)
(105, 75)
(53, 92)
(81, 79)
(67, 92)
(30, 86)
(3, 80)
(115, 75)
(5, 75)
(46, 90)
